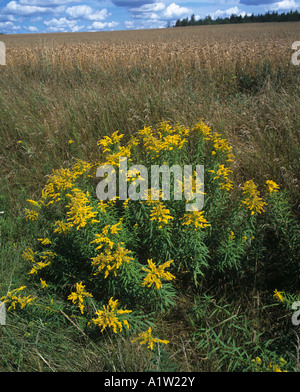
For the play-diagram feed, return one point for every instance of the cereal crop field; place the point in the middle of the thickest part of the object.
(141, 285)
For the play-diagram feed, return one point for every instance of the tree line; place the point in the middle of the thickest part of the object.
(274, 16)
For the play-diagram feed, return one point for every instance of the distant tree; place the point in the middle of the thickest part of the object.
(178, 23)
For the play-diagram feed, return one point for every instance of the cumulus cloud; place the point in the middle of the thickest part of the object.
(284, 5)
(174, 11)
(62, 24)
(228, 12)
(101, 25)
(9, 27)
(14, 8)
(86, 12)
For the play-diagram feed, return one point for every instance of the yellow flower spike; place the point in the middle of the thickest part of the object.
(278, 295)
(31, 215)
(108, 317)
(252, 200)
(195, 219)
(147, 338)
(62, 227)
(78, 296)
(272, 186)
(160, 214)
(43, 283)
(155, 274)
(79, 209)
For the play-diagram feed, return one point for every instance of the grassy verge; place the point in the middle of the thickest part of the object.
(51, 114)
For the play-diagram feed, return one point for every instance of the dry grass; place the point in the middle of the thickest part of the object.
(82, 86)
(199, 46)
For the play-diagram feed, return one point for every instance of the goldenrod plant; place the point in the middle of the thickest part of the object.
(115, 263)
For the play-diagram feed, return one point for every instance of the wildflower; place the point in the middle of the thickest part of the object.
(43, 283)
(252, 200)
(78, 296)
(71, 141)
(106, 142)
(59, 180)
(45, 241)
(15, 298)
(257, 360)
(155, 274)
(62, 227)
(31, 214)
(108, 317)
(20, 142)
(232, 236)
(147, 338)
(111, 261)
(79, 209)
(223, 173)
(102, 206)
(46, 258)
(28, 255)
(195, 218)
(272, 186)
(278, 295)
(160, 214)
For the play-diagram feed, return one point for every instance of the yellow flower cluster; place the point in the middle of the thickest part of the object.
(223, 172)
(107, 142)
(79, 208)
(147, 338)
(160, 214)
(272, 186)
(155, 274)
(31, 214)
(78, 296)
(272, 366)
(278, 295)
(62, 227)
(252, 200)
(219, 144)
(108, 317)
(46, 258)
(111, 261)
(166, 139)
(14, 298)
(195, 218)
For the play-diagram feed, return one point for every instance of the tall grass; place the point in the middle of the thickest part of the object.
(80, 90)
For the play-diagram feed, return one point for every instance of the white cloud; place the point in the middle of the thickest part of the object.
(86, 12)
(174, 11)
(8, 27)
(129, 24)
(32, 29)
(284, 5)
(156, 7)
(228, 12)
(62, 24)
(15, 8)
(101, 25)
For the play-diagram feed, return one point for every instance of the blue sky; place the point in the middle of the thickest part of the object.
(43, 16)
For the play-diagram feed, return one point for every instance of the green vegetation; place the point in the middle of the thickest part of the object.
(292, 16)
(229, 306)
